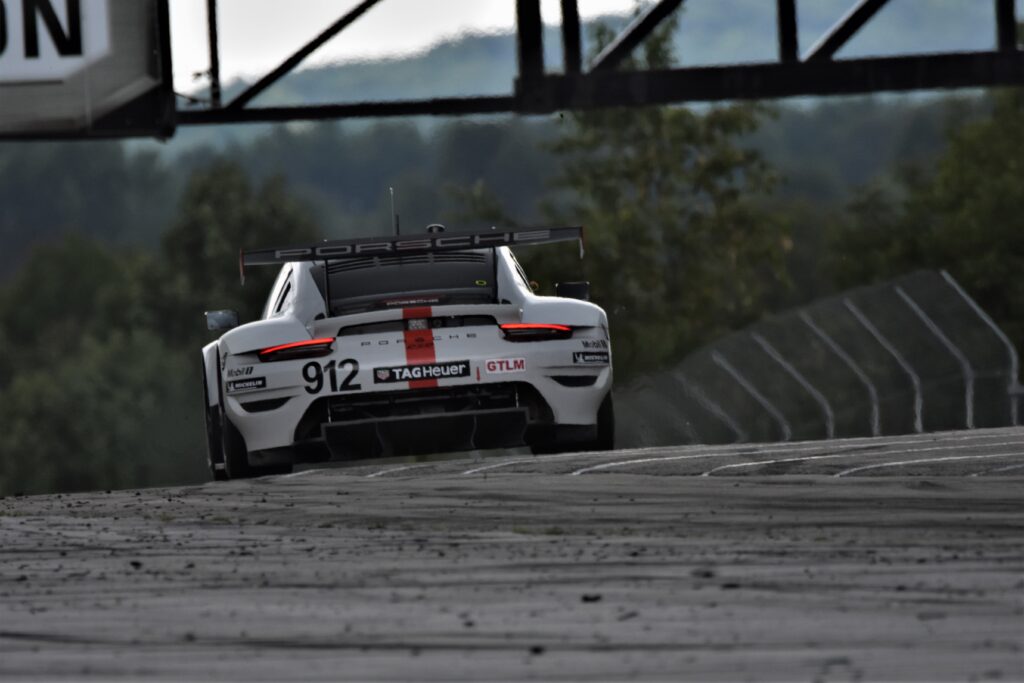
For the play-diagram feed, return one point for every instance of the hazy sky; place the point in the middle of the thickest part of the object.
(257, 34)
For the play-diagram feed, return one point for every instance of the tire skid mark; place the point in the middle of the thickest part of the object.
(996, 470)
(832, 456)
(921, 461)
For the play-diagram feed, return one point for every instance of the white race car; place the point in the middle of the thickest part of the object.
(406, 345)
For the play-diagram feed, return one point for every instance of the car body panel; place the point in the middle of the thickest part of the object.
(266, 401)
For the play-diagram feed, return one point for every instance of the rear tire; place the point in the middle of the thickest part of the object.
(604, 441)
(236, 456)
(214, 447)
(225, 446)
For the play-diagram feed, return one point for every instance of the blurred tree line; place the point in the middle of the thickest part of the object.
(100, 379)
(698, 222)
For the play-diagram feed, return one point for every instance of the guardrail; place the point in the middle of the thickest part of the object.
(913, 355)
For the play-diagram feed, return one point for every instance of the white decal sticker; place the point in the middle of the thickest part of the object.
(501, 366)
(49, 41)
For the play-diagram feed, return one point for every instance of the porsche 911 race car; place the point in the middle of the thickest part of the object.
(406, 345)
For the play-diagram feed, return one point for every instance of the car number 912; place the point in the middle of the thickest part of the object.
(314, 373)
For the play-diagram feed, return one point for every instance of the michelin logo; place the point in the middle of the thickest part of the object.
(590, 358)
(243, 385)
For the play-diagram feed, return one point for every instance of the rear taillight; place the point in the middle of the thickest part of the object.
(522, 332)
(310, 348)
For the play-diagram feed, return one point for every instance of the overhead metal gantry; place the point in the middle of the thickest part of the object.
(601, 83)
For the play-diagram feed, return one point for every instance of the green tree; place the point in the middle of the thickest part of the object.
(681, 246)
(94, 188)
(100, 383)
(221, 213)
(963, 215)
(113, 414)
(63, 292)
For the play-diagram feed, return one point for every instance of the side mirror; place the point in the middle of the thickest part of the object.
(573, 290)
(219, 321)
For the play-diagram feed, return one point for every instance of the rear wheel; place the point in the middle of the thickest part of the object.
(214, 447)
(604, 440)
(236, 456)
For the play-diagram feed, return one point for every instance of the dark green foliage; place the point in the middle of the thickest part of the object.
(100, 379)
(962, 214)
(113, 413)
(64, 292)
(827, 151)
(42, 195)
(221, 213)
(681, 245)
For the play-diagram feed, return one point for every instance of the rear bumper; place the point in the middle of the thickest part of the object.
(283, 408)
(414, 435)
(417, 421)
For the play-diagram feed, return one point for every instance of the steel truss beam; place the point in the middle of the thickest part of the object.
(536, 91)
(839, 34)
(635, 33)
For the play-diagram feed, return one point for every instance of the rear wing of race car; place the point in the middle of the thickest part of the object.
(407, 245)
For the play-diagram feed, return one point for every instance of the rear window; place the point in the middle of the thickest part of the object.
(372, 283)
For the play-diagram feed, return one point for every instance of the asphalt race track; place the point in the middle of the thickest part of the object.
(895, 558)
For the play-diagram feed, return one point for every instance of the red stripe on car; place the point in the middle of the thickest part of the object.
(419, 345)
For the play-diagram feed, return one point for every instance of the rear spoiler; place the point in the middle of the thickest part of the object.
(402, 245)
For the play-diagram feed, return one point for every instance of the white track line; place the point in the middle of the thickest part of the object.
(848, 443)
(760, 463)
(295, 475)
(381, 473)
(857, 443)
(928, 460)
(998, 469)
(704, 451)
(546, 458)
(673, 458)
(712, 453)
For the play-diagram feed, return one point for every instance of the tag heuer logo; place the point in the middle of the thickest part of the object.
(411, 373)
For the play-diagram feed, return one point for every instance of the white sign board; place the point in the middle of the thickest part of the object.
(85, 68)
(51, 40)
